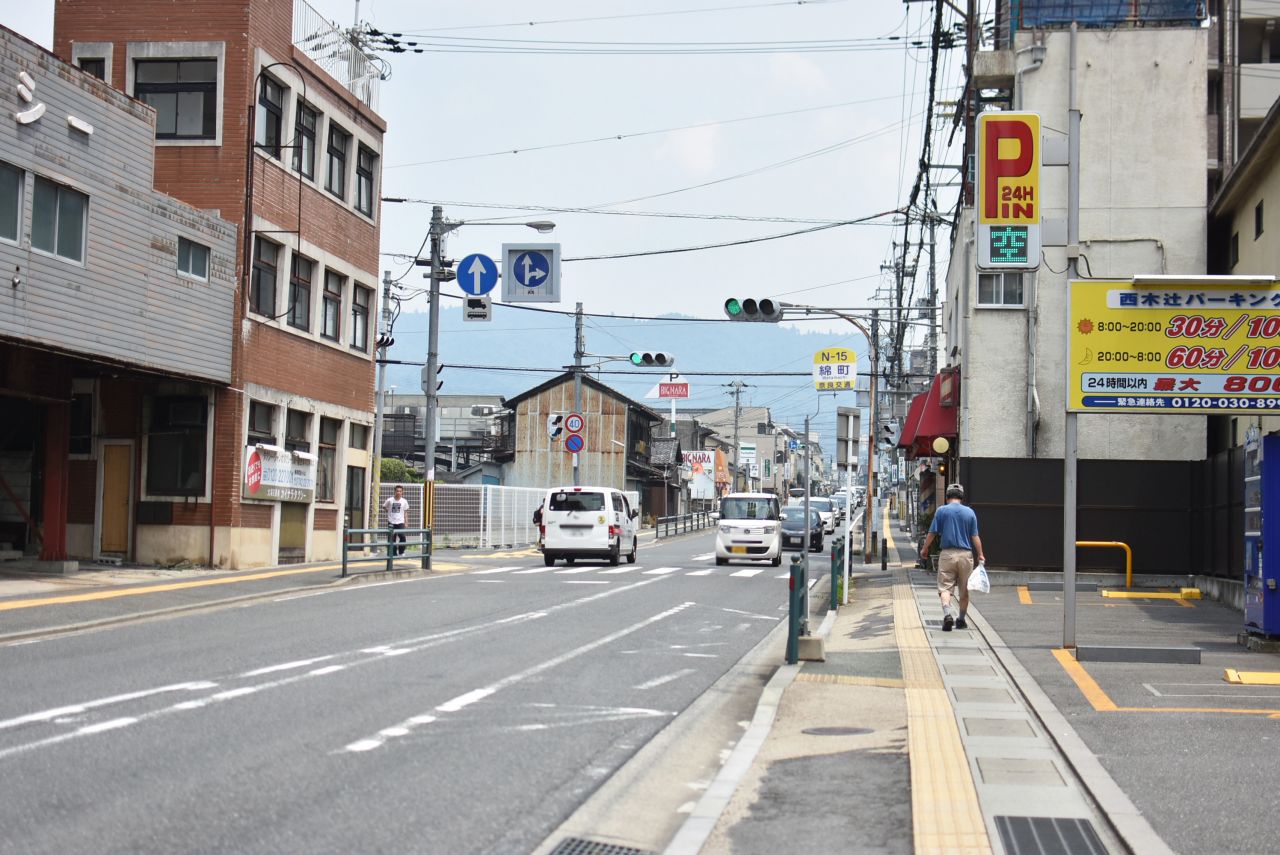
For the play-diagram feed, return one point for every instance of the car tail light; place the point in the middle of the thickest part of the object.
(614, 531)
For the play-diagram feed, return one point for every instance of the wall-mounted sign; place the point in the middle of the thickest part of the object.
(1008, 191)
(275, 475)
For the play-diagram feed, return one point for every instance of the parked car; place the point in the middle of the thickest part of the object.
(588, 522)
(749, 528)
(793, 528)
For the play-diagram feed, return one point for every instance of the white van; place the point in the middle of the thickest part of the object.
(588, 522)
(749, 527)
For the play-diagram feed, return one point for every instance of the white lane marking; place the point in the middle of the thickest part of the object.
(465, 700)
(699, 655)
(364, 745)
(586, 581)
(285, 666)
(1152, 689)
(73, 709)
(490, 581)
(661, 571)
(328, 669)
(783, 576)
(707, 556)
(618, 571)
(658, 681)
(28, 641)
(494, 570)
(749, 572)
(532, 671)
(103, 726)
(748, 614)
(706, 572)
(235, 693)
(569, 571)
(364, 586)
(534, 570)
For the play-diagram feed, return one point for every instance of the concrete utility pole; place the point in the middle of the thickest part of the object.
(737, 386)
(932, 338)
(872, 436)
(430, 386)
(384, 335)
(579, 352)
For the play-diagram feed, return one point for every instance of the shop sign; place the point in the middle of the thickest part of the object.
(276, 475)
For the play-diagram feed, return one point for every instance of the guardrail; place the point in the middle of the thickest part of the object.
(390, 546)
(671, 526)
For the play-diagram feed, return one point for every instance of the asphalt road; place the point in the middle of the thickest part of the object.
(470, 712)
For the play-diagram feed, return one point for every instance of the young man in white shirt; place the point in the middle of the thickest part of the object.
(397, 510)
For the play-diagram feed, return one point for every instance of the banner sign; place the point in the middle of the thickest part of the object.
(277, 475)
(1173, 348)
(702, 466)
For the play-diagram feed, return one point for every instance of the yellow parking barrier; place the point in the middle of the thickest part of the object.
(1128, 555)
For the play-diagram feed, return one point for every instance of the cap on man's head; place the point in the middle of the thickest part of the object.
(955, 491)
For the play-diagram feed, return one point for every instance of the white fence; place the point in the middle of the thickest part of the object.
(477, 516)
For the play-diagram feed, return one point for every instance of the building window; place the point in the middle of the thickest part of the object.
(1235, 249)
(304, 130)
(1257, 220)
(57, 220)
(360, 298)
(331, 311)
(184, 93)
(327, 459)
(262, 423)
(176, 443)
(97, 66)
(336, 178)
(270, 116)
(193, 258)
(358, 436)
(262, 288)
(81, 424)
(10, 201)
(1000, 289)
(297, 430)
(300, 292)
(366, 161)
(356, 491)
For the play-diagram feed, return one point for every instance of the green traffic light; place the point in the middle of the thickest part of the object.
(637, 359)
(732, 307)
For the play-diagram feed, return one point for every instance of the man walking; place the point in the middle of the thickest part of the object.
(956, 526)
(397, 509)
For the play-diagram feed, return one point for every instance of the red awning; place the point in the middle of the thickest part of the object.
(928, 418)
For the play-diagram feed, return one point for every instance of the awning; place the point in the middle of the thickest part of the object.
(932, 414)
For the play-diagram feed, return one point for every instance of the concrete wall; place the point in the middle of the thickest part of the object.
(1142, 94)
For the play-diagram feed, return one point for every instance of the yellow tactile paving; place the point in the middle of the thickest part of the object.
(944, 802)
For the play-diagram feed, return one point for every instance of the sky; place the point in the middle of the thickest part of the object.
(828, 130)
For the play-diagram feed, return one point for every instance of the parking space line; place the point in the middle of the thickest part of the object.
(1024, 595)
(1102, 702)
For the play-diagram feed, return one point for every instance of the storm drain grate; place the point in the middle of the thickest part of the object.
(929, 623)
(581, 846)
(1044, 835)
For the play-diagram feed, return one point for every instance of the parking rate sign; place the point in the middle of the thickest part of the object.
(1008, 191)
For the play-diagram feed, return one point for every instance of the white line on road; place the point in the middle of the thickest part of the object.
(706, 556)
(586, 581)
(286, 666)
(661, 571)
(102, 726)
(616, 571)
(465, 700)
(749, 572)
(494, 570)
(328, 669)
(534, 570)
(706, 572)
(569, 571)
(73, 709)
(658, 681)
(748, 614)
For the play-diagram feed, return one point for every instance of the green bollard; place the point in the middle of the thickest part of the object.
(837, 562)
(795, 598)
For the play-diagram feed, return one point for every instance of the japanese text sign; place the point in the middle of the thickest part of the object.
(1008, 191)
(834, 369)
(1174, 348)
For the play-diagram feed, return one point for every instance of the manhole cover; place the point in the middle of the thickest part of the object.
(837, 731)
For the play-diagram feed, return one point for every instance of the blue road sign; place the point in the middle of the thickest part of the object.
(574, 443)
(477, 274)
(532, 269)
(794, 444)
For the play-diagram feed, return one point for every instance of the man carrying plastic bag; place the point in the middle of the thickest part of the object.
(956, 526)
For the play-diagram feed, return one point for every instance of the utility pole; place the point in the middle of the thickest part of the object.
(932, 337)
(430, 386)
(737, 386)
(384, 343)
(873, 436)
(579, 352)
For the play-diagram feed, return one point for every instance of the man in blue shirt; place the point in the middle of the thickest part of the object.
(956, 526)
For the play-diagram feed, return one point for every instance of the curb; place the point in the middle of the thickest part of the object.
(1111, 802)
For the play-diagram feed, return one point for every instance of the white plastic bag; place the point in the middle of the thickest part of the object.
(979, 581)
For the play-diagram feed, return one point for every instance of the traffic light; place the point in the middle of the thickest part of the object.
(889, 432)
(555, 425)
(751, 309)
(652, 359)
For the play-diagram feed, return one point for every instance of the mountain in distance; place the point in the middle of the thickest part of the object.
(516, 340)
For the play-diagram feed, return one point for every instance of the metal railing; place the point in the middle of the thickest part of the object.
(335, 52)
(671, 526)
(1115, 544)
(390, 547)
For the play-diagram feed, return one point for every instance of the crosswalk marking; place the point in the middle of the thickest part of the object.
(707, 556)
(783, 576)
(706, 572)
(616, 570)
(495, 570)
(534, 570)
(749, 572)
(661, 571)
(569, 571)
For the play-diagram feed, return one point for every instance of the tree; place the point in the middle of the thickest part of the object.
(395, 470)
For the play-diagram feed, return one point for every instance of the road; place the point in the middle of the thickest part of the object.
(470, 712)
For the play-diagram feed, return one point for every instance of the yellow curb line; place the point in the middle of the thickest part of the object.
(945, 815)
(845, 680)
(1183, 594)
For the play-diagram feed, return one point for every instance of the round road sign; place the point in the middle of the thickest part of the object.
(574, 423)
(574, 443)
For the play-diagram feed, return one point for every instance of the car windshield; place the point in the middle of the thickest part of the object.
(747, 509)
(577, 502)
(820, 504)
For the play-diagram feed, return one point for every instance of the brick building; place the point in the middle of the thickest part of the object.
(287, 146)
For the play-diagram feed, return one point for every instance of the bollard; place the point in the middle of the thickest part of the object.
(795, 589)
(884, 555)
(837, 563)
(391, 549)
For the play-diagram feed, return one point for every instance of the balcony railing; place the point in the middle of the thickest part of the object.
(1031, 14)
(332, 49)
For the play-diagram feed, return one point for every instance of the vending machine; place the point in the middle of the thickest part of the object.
(1261, 521)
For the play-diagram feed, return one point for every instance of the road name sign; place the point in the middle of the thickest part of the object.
(835, 369)
(477, 274)
(532, 272)
(1174, 347)
(1008, 191)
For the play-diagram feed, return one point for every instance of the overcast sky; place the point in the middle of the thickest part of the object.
(847, 149)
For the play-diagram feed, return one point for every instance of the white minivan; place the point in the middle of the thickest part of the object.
(588, 522)
(749, 528)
